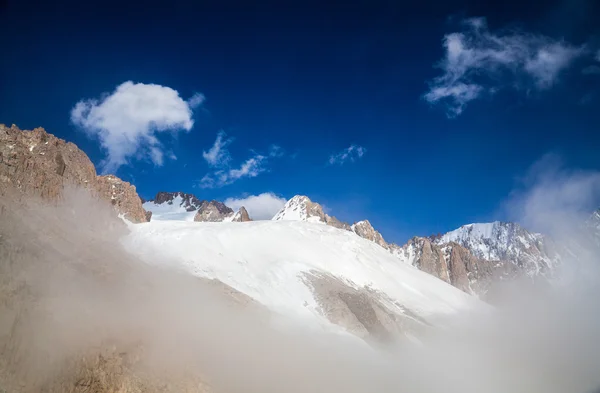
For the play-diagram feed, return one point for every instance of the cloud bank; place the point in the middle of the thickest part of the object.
(128, 121)
(260, 207)
(478, 61)
(351, 154)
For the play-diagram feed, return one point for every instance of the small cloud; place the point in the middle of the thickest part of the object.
(196, 100)
(276, 151)
(260, 207)
(480, 62)
(591, 70)
(218, 155)
(351, 154)
(128, 121)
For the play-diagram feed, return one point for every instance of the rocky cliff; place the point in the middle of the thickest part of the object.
(37, 163)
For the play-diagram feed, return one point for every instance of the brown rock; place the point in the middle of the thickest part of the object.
(365, 230)
(241, 215)
(212, 211)
(39, 164)
(122, 196)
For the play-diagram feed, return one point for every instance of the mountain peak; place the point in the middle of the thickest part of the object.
(301, 208)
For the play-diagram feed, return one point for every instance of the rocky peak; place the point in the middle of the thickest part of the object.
(365, 230)
(241, 215)
(505, 241)
(213, 211)
(188, 201)
(37, 163)
(301, 208)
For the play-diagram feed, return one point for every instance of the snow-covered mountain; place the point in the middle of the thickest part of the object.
(505, 241)
(471, 258)
(301, 269)
(172, 206)
(179, 206)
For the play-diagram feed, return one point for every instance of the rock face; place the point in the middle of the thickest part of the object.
(122, 196)
(181, 206)
(213, 211)
(365, 230)
(506, 241)
(241, 215)
(38, 164)
(188, 201)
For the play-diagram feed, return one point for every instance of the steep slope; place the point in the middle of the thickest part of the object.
(284, 266)
(37, 163)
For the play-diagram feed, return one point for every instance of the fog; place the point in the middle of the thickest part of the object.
(67, 288)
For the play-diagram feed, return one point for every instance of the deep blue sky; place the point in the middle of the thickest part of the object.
(313, 78)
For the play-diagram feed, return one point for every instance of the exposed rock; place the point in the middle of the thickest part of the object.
(148, 215)
(365, 230)
(301, 208)
(39, 164)
(506, 241)
(241, 215)
(212, 211)
(188, 201)
(362, 311)
(122, 196)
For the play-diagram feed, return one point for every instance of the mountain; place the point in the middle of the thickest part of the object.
(506, 241)
(36, 163)
(471, 258)
(320, 274)
(301, 208)
(180, 206)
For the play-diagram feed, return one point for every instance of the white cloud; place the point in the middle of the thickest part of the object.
(352, 153)
(478, 61)
(127, 121)
(218, 155)
(226, 175)
(260, 207)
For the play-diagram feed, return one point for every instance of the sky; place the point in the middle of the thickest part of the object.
(418, 117)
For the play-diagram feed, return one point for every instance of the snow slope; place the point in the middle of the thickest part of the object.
(174, 210)
(266, 260)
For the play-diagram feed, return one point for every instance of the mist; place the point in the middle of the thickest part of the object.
(69, 291)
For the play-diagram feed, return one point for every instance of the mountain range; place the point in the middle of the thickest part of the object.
(471, 258)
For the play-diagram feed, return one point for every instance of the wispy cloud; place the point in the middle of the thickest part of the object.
(219, 157)
(351, 154)
(218, 154)
(260, 207)
(128, 121)
(478, 61)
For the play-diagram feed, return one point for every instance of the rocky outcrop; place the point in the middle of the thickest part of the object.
(213, 211)
(188, 201)
(362, 311)
(365, 230)
(39, 164)
(241, 215)
(123, 196)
